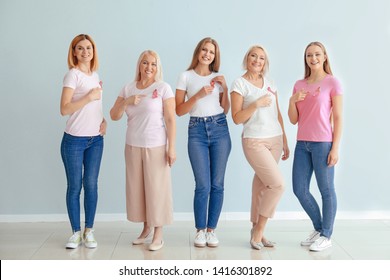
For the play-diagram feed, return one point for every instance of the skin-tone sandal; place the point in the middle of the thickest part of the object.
(267, 243)
(142, 240)
(156, 246)
(255, 245)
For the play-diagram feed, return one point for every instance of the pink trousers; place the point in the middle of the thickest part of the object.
(268, 186)
(148, 186)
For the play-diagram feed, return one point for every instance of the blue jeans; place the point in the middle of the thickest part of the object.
(209, 147)
(309, 157)
(81, 157)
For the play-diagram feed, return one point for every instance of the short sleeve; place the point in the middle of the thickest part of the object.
(237, 87)
(70, 80)
(122, 93)
(182, 82)
(336, 88)
(127, 90)
(166, 91)
(295, 88)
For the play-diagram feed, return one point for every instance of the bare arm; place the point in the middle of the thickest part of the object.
(103, 127)
(170, 121)
(337, 111)
(241, 115)
(293, 114)
(67, 107)
(121, 103)
(223, 96)
(183, 106)
(286, 150)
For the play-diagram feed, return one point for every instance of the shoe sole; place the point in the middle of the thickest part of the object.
(91, 245)
(319, 250)
(200, 245)
(156, 247)
(212, 245)
(72, 247)
(138, 242)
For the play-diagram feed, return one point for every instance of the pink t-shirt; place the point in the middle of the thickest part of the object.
(87, 120)
(145, 121)
(315, 111)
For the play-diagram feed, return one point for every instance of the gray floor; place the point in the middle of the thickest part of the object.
(352, 240)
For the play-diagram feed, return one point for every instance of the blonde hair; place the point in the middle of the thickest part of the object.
(326, 65)
(265, 69)
(159, 75)
(72, 59)
(214, 66)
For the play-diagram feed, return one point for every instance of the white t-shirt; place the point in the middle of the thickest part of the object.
(264, 122)
(145, 121)
(87, 120)
(209, 105)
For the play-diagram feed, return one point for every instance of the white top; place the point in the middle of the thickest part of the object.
(209, 105)
(87, 120)
(264, 122)
(145, 121)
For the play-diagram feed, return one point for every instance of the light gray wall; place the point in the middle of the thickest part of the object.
(34, 40)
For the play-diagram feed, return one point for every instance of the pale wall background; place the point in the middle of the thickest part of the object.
(34, 40)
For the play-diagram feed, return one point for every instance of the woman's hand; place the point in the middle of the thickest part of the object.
(103, 127)
(220, 80)
(264, 101)
(134, 99)
(206, 90)
(298, 96)
(286, 150)
(333, 157)
(95, 94)
(171, 156)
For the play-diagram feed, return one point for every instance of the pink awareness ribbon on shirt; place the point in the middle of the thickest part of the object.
(271, 91)
(155, 94)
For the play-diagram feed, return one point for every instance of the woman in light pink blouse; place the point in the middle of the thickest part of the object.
(82, 143)
(150, 148)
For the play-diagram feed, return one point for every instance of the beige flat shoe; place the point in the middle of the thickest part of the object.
(143, 240)
(267, 243)
(256, 245)
(156, 246)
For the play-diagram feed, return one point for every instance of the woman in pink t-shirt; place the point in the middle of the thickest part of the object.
(316, 105)
(150, 148)
(82, 143)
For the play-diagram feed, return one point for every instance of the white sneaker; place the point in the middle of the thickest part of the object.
(311, 238)
(200, 239)
(89, 239)
(74, 241)
(320, 244)
(211, 239)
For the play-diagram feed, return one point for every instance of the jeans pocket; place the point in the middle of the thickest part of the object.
(192, 123)
(221, 122)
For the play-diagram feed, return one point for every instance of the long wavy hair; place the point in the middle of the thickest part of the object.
(326, 65)
(214, 66)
